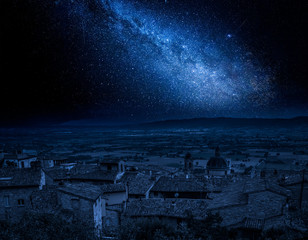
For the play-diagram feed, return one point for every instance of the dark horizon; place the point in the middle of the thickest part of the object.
(178, 122)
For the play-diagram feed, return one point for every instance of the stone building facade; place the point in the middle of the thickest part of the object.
(85, 202)
(16, 187)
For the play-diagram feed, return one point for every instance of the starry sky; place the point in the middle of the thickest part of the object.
(147, 60)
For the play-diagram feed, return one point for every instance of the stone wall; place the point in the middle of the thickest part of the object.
(10, 208)
(115, 198)
(99, 210)
(82, 208)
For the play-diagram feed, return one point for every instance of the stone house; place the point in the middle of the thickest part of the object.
(18, 160)
(46, 160)
(177, 187)
(297, 183)
(251, 205)
(115, 165)
(16, 187)
(115, 196)
(86, 203)
(45, 200)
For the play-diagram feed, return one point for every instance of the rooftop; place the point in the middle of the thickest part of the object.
(138, 183)
(111, 188)
(86, 191)
(259, 185)
(176, 184)
(25, 177)
(294, 179)
(82, 172)
(57, 173)
(177, 208)
(97, 175)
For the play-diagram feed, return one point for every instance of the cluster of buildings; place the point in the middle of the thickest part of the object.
(103, 194)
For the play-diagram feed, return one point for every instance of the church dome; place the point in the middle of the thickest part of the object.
(217, 162)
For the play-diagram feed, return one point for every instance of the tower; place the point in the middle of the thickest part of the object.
(217, 152)
(188, 161)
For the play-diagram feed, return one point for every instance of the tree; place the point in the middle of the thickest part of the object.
(36, 226)
(150, 229)
(209, 228)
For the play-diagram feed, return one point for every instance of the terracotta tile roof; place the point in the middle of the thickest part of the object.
(129, 176)
(227, 199)
(60, 173)
(235, 205)
(177, 208)
(294, 179)
(86, 191)
(12, 177)
(138, 183)
(111, 188)
(259, 185)
(254, 185)
(57, 173)
(81, 172)
(231, 195)
(97, 175)
(167, 184)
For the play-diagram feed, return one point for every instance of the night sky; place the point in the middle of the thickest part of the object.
(147, 60)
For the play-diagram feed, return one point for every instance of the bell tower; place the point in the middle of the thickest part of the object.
(188, 161)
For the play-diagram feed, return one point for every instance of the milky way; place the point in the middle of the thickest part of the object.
(174, 64)
(147, 60)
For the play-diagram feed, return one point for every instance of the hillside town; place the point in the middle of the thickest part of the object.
(256, 201)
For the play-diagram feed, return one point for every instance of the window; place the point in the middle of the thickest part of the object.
(107, 222)
(6, 201)
(109, 168)
(21, 202)
(22, 165)
(7, 215)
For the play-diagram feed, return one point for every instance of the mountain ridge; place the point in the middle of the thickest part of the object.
(230, 122)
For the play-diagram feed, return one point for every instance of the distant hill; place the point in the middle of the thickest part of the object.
(227, 122)
(187, 123)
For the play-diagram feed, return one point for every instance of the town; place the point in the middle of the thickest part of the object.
(206, 183)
